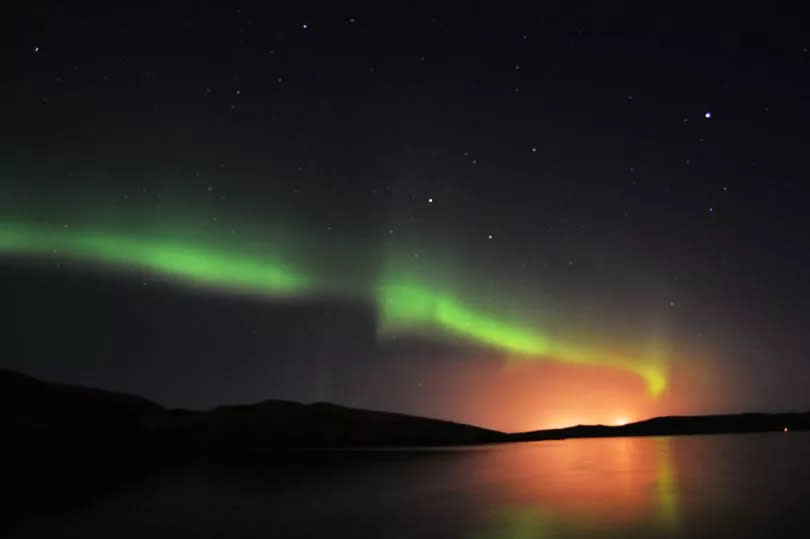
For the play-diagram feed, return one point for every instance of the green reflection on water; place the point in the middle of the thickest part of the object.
(520, 523)
(666, 485)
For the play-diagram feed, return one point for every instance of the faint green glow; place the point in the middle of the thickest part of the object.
(665, 483)
(520, 522)
(409, 306)
(207, 265)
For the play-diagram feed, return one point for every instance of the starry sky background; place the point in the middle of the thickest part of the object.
(554, 167)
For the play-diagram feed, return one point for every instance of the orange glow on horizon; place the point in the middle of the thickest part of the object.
(517, 397)
(538, 396)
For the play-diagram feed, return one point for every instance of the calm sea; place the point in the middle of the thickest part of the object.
(755, 485)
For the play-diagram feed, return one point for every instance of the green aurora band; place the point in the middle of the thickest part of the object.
(195, 264)
(408, 306)
(405, 306)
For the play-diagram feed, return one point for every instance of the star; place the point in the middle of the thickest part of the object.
(489, 236)
(305, 26)
(430, 200)
(36, 49)
(671, 303)
(708, 115)
(534, 150)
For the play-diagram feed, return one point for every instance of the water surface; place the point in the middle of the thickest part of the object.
(692, 486)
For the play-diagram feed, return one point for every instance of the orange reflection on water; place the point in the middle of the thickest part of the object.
(585, 484)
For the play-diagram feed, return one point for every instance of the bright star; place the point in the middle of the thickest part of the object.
(708, 115)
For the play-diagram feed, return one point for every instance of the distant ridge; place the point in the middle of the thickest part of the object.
(28, 403)
(31, 404)
(678, 425)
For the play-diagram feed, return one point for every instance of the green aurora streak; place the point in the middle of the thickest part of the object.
(410, 306)
(405, 306)
(196, 264)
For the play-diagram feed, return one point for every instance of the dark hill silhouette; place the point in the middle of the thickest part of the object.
(63, 444)
(288, 424)
(677, 425)
(29, 401)
(32, 404)
(40, 408)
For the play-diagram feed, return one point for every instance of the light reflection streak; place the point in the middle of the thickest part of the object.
(587, 487)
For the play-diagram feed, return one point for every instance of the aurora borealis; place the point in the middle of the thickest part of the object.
(195, 264)
(512, 221)
(402, 306)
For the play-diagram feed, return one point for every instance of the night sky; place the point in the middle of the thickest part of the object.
(516, 219)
